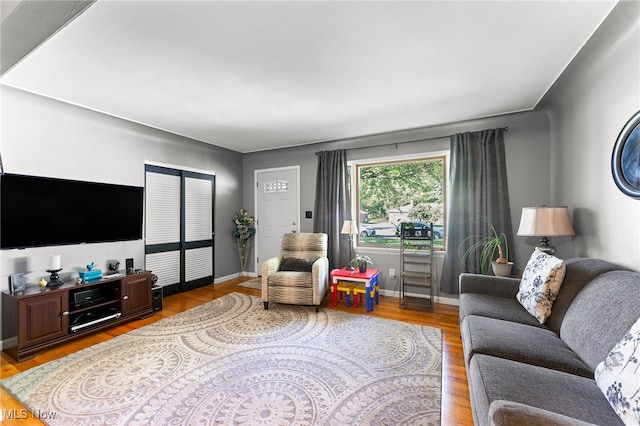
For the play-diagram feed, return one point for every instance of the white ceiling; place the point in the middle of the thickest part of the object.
(251, 76)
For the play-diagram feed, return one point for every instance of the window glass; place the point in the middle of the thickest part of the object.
(388, 193)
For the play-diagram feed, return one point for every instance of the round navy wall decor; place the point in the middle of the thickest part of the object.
(625, 160)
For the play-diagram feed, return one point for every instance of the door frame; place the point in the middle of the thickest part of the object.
(296, 168)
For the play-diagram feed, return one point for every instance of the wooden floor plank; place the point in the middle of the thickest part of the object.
(456, 408)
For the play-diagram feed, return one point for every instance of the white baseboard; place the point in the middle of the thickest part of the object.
(436, 299)
(11, 342)
(233, 276)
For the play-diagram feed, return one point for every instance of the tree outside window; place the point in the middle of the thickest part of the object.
(388, 193)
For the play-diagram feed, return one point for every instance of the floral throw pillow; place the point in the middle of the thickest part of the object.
(540, 284)
(618, 376)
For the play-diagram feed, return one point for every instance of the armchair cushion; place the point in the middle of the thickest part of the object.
(296, 279)
(297, 264)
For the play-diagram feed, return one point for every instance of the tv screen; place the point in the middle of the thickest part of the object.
(40, 211)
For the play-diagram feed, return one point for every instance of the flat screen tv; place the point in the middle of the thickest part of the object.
(40, 211)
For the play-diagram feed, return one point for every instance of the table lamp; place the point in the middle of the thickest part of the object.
(349, 227)
(545, 222)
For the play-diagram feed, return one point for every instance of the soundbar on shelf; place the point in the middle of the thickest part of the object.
(75, 328)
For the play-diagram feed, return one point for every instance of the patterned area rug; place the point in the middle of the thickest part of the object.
(252, 283)
(231, 362)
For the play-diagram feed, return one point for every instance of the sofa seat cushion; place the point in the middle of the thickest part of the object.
(484, 305)
(296, 279)
(495, 379)
(507, 413)
(520, 342)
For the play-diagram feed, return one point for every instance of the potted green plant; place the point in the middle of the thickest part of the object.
(361, 262)
(493, 249)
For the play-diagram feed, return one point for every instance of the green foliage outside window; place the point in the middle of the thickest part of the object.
(411, 190)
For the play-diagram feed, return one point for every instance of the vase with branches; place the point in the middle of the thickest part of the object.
(243, 231)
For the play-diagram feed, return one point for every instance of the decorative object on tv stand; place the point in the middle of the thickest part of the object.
(350, 228)
(16, 282)
(91, 274)
(113, 266)
(54, 268)
(129, 264)
(243, 232)
(545, 222)
(361, 262)
(625, 159)
(493, 251)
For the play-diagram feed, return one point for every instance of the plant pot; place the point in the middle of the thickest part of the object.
(501, 269)
(363, 269)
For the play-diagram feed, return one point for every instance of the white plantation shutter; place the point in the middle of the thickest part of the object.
(179, 227)
(198, 263)
(162, 208)
(165, 265)
(198, 211)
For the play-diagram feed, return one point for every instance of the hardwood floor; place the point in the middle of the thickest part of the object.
(456, 408)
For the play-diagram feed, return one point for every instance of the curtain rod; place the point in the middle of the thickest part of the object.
(506, 129)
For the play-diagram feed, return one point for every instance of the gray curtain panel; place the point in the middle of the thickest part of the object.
(332, 206)
(478, 190)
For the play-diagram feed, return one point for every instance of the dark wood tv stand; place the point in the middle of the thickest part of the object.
(41, 317)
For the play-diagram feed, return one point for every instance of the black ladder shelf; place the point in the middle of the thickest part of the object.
(416, 267)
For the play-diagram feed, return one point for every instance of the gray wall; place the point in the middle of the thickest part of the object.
(44, 137)
(558, 154)
(587, 107)
(528, 168)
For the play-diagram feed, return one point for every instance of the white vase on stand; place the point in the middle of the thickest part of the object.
(244, 247)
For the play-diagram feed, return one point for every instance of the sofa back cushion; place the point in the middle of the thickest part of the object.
(601, 314)
(579, 272)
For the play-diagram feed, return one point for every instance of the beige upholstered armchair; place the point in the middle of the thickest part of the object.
(300, 276)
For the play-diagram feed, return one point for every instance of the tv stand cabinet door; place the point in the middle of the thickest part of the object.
(43, 318)
(136, 294)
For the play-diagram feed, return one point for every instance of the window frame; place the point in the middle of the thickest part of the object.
(403, 158)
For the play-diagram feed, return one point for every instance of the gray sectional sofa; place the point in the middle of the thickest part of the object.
(521, 372)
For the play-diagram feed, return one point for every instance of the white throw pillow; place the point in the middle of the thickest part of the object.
(618, 376)
(540, 284)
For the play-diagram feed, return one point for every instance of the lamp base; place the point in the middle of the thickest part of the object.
(545, 247)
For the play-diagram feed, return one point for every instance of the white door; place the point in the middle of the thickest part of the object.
(277, 210)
